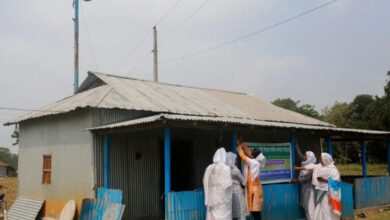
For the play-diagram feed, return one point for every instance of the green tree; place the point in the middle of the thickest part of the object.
(337, 114)
(290, 104)
(8, 157)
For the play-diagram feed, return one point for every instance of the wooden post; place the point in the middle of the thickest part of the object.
(364, 157)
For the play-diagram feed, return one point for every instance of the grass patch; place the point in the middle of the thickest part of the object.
(356, 169)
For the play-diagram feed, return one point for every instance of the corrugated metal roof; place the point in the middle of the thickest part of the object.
(237, 121)
(25, 209)
(108, 91)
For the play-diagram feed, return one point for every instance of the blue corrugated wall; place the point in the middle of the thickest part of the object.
(281, 201)
(347, 200)
(373, 191)
(187, 205)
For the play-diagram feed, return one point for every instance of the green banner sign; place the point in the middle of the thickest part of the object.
(278, 167)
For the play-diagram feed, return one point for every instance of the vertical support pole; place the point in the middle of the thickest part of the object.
(329, 145)
(167, 167)
(155, 59)
(106, 161)
(364, 157)
(293, 143)
(76, 45)
(388, 157)
(234, 142)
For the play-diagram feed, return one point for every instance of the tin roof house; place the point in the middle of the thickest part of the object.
(153, 141)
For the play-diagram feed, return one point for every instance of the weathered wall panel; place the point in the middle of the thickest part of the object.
(372, 191)
(63, 137)
(135, 168)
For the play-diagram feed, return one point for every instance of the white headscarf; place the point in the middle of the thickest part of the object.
(217, 180)
(326, 170)
(310, 159)
(231, 159)
(327, 159)
(220, 156)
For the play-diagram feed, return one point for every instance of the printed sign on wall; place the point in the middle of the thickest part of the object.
(278, 167)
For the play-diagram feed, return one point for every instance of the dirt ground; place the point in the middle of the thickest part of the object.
(10, 187)
(375, 214)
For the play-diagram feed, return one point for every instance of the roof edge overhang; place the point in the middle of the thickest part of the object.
(162, 119)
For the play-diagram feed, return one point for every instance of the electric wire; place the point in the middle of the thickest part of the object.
(132, 52)
(89, 38)
(183, 22)
(248, 35)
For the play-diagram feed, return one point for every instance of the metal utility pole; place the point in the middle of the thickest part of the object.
(155, 59)
(76, 45)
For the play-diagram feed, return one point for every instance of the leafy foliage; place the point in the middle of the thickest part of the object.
(364, 112)
(305, 109)
(8, 157)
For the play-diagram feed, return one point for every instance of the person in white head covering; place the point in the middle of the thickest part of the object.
(323, 173)
(254, 162)
(217, 184)
(239, 209)
(305, 180)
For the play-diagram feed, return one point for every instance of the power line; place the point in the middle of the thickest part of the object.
(248, 35)
(141, 61)
(89, 38)
(166, 13)
(146, 36)
(184, 21)
(27, 110)
(133, 51)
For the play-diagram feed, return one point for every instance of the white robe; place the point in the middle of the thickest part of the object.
(323, 210)
(217, 184)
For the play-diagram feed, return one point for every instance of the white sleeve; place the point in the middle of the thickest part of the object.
(310, 166)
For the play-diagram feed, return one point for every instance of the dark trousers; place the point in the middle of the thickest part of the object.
(256, 215)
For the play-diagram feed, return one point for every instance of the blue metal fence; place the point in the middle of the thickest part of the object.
(281, 201)
(188, 205)
(372, 191)
(347, 200)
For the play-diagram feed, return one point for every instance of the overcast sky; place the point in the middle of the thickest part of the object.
(331, 54)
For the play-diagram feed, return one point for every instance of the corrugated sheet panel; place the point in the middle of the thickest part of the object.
(347, 200)
(281, 201)
(108, 116)
(238, 121)
(98, 159)
(187, 205)
(101, 210)
(25, 209)
(131, 94)
(135, 168)
(372, 191)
